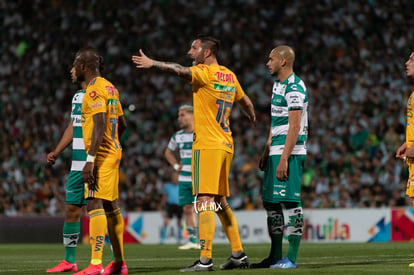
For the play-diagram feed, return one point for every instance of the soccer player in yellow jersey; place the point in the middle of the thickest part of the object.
(406, 151)
(215, 89)
(102, 123)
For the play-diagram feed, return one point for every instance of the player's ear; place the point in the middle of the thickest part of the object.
(207, 53)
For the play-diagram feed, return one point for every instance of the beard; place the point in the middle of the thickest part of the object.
(80, 78)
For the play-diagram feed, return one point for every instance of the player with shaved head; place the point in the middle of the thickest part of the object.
(283, 159)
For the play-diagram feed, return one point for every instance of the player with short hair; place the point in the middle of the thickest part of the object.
(183, 142)
(75, 183)
(283, 159)
(102, 124)
(215, 89)
(406, 150)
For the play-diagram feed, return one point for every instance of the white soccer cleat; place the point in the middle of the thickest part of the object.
(189, 245)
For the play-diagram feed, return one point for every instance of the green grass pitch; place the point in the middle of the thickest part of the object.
(334, 258)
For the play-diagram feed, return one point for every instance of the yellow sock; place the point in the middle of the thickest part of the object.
(207, 226)
(229, 223)
(97, 229)
(116, 233)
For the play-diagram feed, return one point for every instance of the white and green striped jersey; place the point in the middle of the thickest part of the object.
(78, 146)
(291, 94)
(184, 142)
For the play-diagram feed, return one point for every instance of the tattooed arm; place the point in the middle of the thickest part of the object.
(144, 62)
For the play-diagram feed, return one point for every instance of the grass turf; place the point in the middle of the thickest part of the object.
(334, 258)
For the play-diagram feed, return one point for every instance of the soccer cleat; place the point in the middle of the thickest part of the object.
(240, 262)
(266, 263)
(189, 245)
(91, 270)
(284, 263)
(116, 268)
(198, 266)
(411, 265)
(63, 266)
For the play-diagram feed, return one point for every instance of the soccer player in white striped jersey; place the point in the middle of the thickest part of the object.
(75, 185)
(283, 159)
(183, 142)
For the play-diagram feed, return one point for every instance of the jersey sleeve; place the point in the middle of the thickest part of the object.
(239, 89)
(172, 144)
(120, 110)
(200, 75)
(295, 97)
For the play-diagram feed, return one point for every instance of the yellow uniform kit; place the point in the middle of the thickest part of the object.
(215, 89)
(102, 97)
(409, 139)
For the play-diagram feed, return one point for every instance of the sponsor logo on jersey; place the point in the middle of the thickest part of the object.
(92, 94)
(96, 105)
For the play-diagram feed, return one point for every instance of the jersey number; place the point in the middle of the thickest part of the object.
(114, 124)
(221, 114)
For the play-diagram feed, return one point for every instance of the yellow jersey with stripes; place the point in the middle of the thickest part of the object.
(102, 97)
(215, 89)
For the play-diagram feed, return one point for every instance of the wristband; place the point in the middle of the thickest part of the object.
(90, 158)
(176, 166)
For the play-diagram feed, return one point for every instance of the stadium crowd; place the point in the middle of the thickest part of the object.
(351, 54)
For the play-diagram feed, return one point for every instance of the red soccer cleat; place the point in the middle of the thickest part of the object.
(91, 270)
(116, 268)
(63, 266)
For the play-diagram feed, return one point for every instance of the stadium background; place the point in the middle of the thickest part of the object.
(351, 56)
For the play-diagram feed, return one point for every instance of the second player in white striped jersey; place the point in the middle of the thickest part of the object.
(182, 141)
(288, 95)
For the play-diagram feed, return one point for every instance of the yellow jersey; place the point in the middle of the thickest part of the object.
(409, 135)
(102, 97)
(215, 89)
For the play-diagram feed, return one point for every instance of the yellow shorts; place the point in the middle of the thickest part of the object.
(211, 172)
(106, 180)
(410, 183)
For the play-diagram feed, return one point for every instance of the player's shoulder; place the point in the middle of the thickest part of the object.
(295, 83)
(78, 96)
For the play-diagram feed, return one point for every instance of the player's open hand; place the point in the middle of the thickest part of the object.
(142, 61)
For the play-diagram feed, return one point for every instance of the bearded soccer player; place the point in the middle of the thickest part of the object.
(183, 142)
(102, 124)
(215, 89)
(283, 159)
(75, 185)
(406, 151)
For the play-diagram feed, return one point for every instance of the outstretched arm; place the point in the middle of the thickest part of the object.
(144, 62)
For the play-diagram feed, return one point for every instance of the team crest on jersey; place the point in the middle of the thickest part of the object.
(92, 94)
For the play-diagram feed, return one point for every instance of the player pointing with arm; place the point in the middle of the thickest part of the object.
(215, 89)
